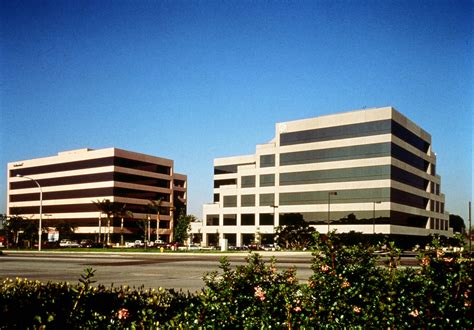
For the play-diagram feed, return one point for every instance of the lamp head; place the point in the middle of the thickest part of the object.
(19, 176)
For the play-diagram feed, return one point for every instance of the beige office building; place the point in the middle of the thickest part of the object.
(371, 171)
(73, 180)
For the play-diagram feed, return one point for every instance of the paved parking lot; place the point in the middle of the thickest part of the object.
(169, 270)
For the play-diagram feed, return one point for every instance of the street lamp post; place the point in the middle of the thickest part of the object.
(334, 193)
(274, 207)
(373, 217)
(40, 208)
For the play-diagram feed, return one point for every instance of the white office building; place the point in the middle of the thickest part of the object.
(370, 171)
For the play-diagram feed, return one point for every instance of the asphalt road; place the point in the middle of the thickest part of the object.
(180, 271)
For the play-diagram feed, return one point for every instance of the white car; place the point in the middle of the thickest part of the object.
(68, 243)
(139, 243)
(156, 243)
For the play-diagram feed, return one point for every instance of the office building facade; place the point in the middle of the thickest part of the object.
(370, 171)
(72, 181)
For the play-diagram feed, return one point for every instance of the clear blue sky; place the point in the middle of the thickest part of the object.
(196, 80)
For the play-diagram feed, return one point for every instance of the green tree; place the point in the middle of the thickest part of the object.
(297, 234)
(183, 225)
(12, 227)
(111, 210)
(457, 223)
(155, 206)
(66, 229)
(123, 213)
(19, 229)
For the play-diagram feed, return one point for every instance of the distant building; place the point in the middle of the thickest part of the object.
(73, 180)
(369, 171)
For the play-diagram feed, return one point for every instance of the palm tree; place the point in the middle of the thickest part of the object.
(123, 212)
(65, 229)
(111, 210)
(156, 206)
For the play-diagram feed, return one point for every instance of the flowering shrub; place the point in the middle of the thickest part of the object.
(254, 295)
(32, 304)
(349, 288)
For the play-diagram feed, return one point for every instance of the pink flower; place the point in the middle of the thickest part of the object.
(414, 313)
(325, 268)
(259, 293)
(345, 284)
(356, 309)
(448, 260)
(425, 261)
(123, 313)
(297, 309)
(291, 279)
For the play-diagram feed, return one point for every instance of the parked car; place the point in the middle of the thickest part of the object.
(87, 243)
(138, 243)
(129, 244)
(157, 243)
(68, 243)
(268, 247)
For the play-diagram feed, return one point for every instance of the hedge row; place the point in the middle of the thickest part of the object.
(347, 290)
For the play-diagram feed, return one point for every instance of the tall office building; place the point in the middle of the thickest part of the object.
(73, 180)
(369, 171)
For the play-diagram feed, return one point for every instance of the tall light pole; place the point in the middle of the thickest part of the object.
(334, 193)
(40, 208)
(274, 207)
(373, 216)
(274, 221)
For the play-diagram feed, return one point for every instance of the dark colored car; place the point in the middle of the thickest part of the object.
(87, 243)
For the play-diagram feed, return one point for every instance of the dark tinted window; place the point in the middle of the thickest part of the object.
(409, 158)
(409, 137)
(142, 180)
(91, 178)
(409, 178)
(338, 175)
(77, 179)
(406, 219)
(247, 219)
(337, 132)
(266, 219)
(267, 160)
(225, 169)
(343, 196)
(267, 199)
(92, 163)
(248, 181)
(247, 200)
(225, 182)
(355, 130)
(80, 193)
(334, 154)
(142, 166)
(178, 183)
(74, 208)
(79, 165)
(230, 220)
(267, 180)
(402, 197)
(141, 194)
(212, 220)
(230, 201)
